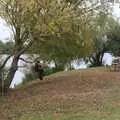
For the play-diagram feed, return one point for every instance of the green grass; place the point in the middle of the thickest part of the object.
(107, 109)
(113, 116)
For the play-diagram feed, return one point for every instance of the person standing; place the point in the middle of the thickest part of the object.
(39, 69)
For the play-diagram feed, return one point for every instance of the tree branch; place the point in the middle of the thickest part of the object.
(39, 35)
(78, 3)
(26, 61)
(4, 63)
(91, 61)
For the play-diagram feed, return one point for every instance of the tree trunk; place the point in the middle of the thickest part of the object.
(58, 66)
(97, 60)
(1, 86)
(2, 75)
(12, 71)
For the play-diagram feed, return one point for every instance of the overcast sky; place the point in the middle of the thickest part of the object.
(116, 11)
(5, 32)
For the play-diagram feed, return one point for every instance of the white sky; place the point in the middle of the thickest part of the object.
(5, 32)
(116, 11)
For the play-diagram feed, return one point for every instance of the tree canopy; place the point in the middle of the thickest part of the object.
(113, 37)
(54, 23)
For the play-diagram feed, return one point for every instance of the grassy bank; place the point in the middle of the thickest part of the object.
(92, 94)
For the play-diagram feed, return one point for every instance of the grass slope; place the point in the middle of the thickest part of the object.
(91, 94)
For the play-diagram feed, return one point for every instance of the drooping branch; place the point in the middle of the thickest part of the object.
(91, 60)
(4, 63)
(40, 35)
(2, 2)
(78, 3)
(26, 61)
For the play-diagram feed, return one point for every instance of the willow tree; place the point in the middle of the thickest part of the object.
(71, 45)
(43, 19)
(113, 38)
(97, 12)
(30, 20)
(76, 39)
(100, 44)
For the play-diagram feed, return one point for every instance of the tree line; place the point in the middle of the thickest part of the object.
(6, 48)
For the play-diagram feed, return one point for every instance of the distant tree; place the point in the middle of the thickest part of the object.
(1, 47)
(100, 44)
(6, 48)
(113, 37)
(9, 47)
(96, 58)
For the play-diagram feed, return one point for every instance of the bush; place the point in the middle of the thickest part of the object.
(32, 75)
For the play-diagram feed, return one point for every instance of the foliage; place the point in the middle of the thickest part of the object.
(114, 38)
(100, 44)
(32, 20)
(6, 48)
(31, 75)
(74, 43)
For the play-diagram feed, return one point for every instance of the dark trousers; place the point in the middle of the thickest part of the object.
(41, 74)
